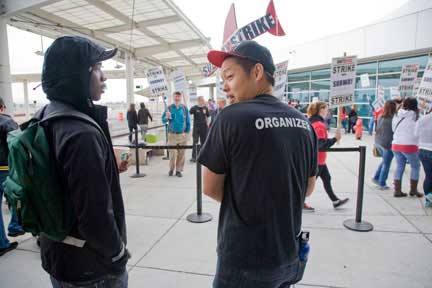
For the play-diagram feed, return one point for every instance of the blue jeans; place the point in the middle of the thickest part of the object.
(4, 242)
(13, 227)
(426, 159)
(109, 281)
(345, 125)
(371, 126)
(382, 172)
(280, 277)
(401, 159)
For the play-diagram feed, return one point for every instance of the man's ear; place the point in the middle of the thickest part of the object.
(259, 72)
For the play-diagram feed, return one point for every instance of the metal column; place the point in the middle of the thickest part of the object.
(129, 78)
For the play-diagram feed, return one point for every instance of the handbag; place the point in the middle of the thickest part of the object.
(376, 152)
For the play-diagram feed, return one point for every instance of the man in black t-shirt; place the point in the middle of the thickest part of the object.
(260, 162)
(200, 126)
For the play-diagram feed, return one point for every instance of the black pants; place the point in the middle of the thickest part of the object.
(199, 133)
(351, 124)
(324, 174)
(131, 130)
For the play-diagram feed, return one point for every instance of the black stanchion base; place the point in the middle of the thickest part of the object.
(165, 158)
(140, 175)
(363, 226)
(197, 218)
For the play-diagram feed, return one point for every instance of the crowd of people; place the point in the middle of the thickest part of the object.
(261, 160)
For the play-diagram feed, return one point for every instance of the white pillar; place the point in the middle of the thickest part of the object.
(129, 78)
(26, 98)
(211, 94)
(5, 76)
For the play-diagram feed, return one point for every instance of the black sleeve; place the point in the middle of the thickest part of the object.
(324, 144)
(150, 116)
(84, 168)
(207, 112)
(192, 110)
(314, 166)
(214, 153)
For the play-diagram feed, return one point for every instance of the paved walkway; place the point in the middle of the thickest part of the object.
(168, 251)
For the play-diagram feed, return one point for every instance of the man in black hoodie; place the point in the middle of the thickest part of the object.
(95, 252)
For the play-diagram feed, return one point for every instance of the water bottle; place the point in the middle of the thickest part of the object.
(304, 246)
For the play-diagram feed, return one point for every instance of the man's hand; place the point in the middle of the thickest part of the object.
(168, 115)
(123, 166)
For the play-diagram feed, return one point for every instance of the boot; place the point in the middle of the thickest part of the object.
(397, 189)
(413, 190)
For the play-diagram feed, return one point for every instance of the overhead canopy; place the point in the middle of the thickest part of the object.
(161, 34)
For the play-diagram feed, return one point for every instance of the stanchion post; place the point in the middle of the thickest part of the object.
(357, 224)
(137, 174)
(166, 142)
(199, 217)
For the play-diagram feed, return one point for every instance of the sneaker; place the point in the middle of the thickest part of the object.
(307, 207)
(429, 197)
(375, 181)
(16, 234)
(170, 173)
(340, 202)
(385, 187)
(11, 247)
(179, 174)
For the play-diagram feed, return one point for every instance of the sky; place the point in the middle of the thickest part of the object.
(303, 21)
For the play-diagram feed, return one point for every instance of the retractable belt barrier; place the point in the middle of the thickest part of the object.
(199, 216)
(357, 224)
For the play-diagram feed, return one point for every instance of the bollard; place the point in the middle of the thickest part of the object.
(199, 217)
(137, 174)
(357, 224)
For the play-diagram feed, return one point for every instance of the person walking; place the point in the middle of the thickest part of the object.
(200, 124)
(7, 124)
(423, 130)
(317, 112)
(352, 119)
(260, 161)
(383, 143)
(94, 254)
(143, 119)
(132, 119)
(405, 146)
(178, 120)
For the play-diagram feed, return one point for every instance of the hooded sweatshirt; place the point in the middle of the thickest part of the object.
(404, 137)
(323, 142)
(87, 166)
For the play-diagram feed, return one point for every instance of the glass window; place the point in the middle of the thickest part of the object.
(367, 68)
(294, 77)
(361, 96)
(320, 85)
(390, 80)
(322, 95)
(320, 74)
(396, 65)
(364, 110)
(302, 96)
(294, 87)
(372, 82)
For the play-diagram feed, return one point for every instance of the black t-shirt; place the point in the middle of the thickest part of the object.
(267, 151)
(200, 114)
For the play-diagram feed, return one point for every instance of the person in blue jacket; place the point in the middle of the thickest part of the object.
(178, 119)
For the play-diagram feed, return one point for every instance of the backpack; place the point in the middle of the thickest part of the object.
(34, 186)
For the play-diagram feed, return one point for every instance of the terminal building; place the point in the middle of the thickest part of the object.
(382, 48)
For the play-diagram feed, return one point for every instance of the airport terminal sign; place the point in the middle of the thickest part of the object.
(342, 80)
(425, 89)
(157, 82)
